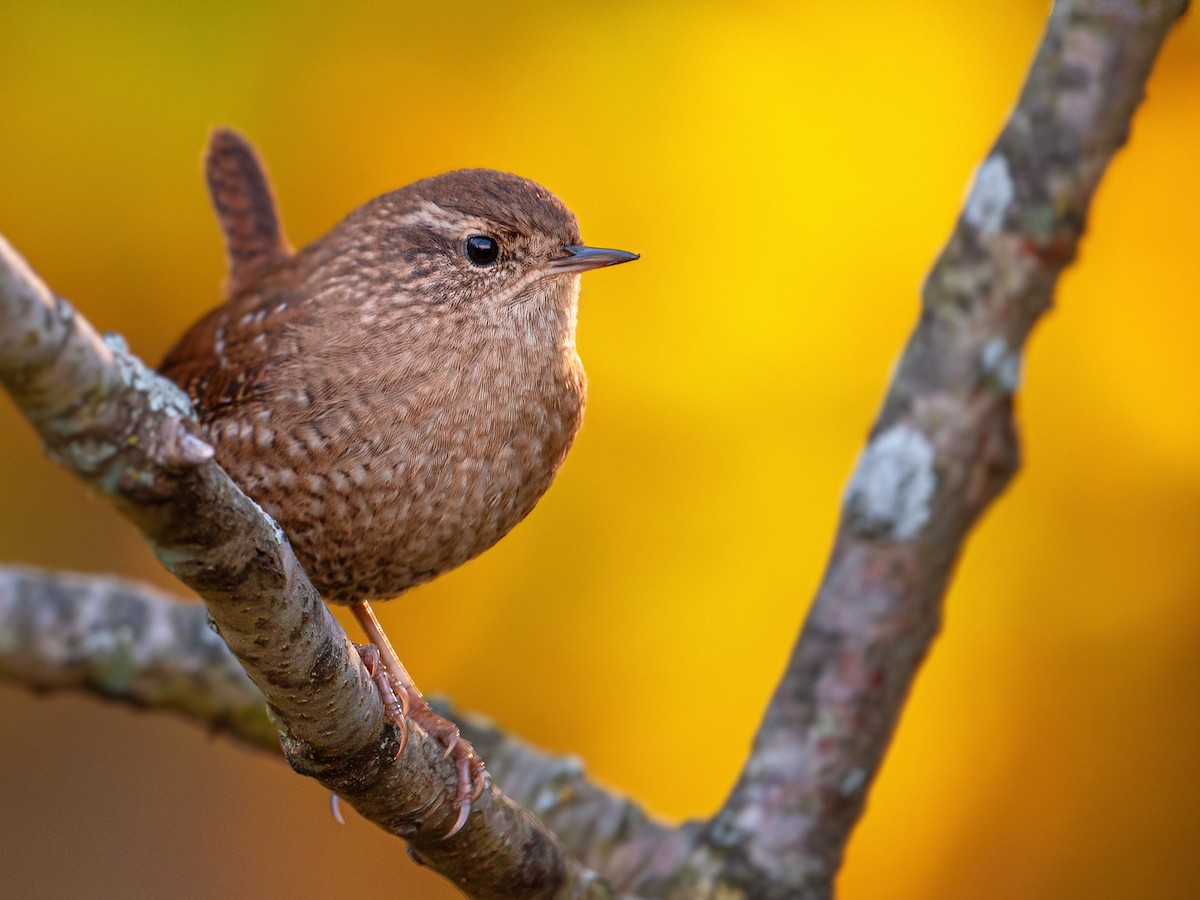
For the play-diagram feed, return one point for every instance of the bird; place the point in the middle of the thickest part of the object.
(399, 393)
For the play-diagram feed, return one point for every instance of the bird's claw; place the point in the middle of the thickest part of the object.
(400, 709)
(472, 776)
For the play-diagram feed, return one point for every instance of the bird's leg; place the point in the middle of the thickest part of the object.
(472, 778)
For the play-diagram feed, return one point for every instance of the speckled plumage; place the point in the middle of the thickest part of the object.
(395, 407)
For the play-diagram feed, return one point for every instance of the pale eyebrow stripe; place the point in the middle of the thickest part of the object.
(429, 215)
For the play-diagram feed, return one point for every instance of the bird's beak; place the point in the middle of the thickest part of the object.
(580, 259)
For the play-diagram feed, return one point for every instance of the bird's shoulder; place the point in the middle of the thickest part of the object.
(230, 355)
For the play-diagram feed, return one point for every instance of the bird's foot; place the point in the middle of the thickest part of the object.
(472, 776)
(402, 705)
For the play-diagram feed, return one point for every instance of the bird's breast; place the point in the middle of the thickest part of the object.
(384, 476)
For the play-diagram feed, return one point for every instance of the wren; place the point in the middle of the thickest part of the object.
(399, 393)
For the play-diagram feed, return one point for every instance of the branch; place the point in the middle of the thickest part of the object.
(125, 642)
(944, 446)
(131, 644)
(131, 435)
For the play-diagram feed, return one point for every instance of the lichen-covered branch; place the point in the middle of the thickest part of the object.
(944, 446)
(131, 644)
(130, 434)
(128, 643)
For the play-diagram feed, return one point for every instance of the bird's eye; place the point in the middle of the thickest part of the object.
(482, 250)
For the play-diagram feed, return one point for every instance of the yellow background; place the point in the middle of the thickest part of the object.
(788, 172)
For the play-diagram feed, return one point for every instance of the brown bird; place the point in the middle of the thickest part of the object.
(399, 393)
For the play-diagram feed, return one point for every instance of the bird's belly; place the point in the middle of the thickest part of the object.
(369, 520)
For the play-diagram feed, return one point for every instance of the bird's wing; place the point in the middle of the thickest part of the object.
(241, 195)
(231, 356)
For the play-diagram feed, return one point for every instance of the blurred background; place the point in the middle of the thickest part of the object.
(788, 172)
